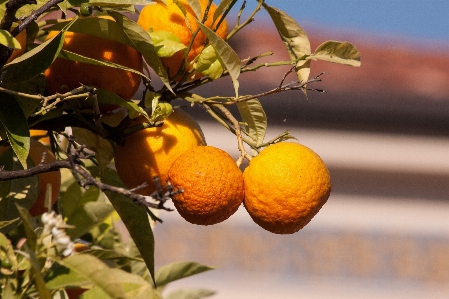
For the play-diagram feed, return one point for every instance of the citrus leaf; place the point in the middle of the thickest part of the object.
(22, 191)
(109, 3)
(88, 268)
(226, 54)
(8, 40)
(16, 127)
(196, 7)
(104, 151)
(59, 276)
(100, 27)
(209, 63)
(88, 216)
(190, 294)
(105, 97)
(221, 8)
(143, 43)
(255, 120)
(166, 43)
(135, 219)
(175, 271)
(338, 52)
(133, 285)
(295, 40)
(5, 224)
(84, 59)
(27, 223)
(35, 61)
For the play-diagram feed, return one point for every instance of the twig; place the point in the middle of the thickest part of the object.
(85, 179)
(238, 133)
(250, 19)
(296, 85)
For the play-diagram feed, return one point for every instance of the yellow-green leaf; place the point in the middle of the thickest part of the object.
(8, 40)
(226, 54)
(255, 120)
(338, 52)
(295, 40)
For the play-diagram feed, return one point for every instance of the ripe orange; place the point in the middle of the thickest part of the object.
(212, 184)
(151, 152)
(42, 135)
(285, 187)
(54, 178)
(22, 39)
(64, 75)
(170, 18)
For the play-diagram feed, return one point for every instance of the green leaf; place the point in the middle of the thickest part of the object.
(166, 43)
(255, 120)
(190, 294)
(338, 52)
(15, 124)
(227, 55)
(175, 271)
(209, 63)
(295, 40)
(8, 40)
(87, 216)
(87, 268)
(104, 150)
(33, 86)
(221, 8)
(105, 97)
(22, 191)
(135, 219)
(143, 43)
(36, 61)
(59, 276)
(27, 222)
(84, 59)
(196, 7)
(5, 224)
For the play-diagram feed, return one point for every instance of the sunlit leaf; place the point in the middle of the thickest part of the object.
(84, 59)
(221, 8)
(338, 52)
(87, 268)
(209, 63)
(8, 40)
(295, 40)
(175, 271)
(196, 7)
(227, 55)
(166, 43)
(142, 41)
(254, 117)
(15, 125)
(87, 216)
(35, 61)
(190, 294)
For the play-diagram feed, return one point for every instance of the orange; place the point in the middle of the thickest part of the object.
(170, 18)
(285, 187)
(22, 39)
(212, 185)
(151, 152)
(37, 150)
(42, 136)
(64, 75)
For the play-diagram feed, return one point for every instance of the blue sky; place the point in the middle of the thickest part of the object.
(409, 19)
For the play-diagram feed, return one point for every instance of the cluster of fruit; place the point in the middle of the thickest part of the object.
(282, 188)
